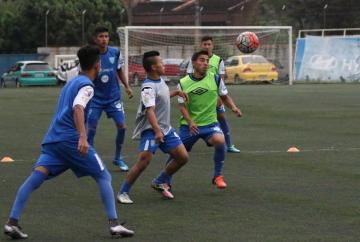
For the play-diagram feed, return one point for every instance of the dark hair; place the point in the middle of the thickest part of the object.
(206, 38)
(100, 29)
(196, 55)
(88, 56)
(149, 60)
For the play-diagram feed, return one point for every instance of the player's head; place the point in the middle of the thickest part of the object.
(101, 36)
(152, 63)
(207, 44)
(200, 61)
(89, 58)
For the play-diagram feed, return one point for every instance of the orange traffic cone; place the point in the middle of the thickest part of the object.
(6, 159)
(293, 150)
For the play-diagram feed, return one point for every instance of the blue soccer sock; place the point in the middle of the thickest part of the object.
(225, 128)
(103, 181)
(219, 157)
(125, 187)
(119, 142)
(169, 181)
(91, 133)
(163, 178)
(31, 184)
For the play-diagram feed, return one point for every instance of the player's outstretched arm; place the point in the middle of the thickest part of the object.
(180, 94)
(192, 125)
(125, 82)
(150, 114)
(228, 101)
(79, 120)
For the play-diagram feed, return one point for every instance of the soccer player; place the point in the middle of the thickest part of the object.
(199, 113)
(65, 146)
(107, 93)
(216, 66)
(154, 129)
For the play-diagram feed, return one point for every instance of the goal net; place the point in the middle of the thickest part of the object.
(271, 62)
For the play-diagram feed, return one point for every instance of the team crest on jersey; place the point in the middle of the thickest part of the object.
(112, 60)
(199, 91)
(105, 78)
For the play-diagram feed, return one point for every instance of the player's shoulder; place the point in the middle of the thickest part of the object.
(83, 80)
(113, 50)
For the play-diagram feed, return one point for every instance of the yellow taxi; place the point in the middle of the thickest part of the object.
(247, 68)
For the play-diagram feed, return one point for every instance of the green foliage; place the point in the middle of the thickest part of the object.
(309, 14)
(22, 23)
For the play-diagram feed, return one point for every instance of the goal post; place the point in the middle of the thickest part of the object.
(176, 45)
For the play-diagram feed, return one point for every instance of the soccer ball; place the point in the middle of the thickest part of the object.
(247, 42)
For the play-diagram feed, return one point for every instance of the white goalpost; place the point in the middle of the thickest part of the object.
(176, 44)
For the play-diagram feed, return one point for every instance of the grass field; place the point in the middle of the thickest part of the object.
(272, 195)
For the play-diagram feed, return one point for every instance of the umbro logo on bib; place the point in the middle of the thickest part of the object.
(112, 60)
(199, 91)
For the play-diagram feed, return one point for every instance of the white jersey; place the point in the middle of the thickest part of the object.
(154, 93)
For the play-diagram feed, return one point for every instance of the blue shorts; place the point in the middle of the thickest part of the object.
(206, 132)
(58, 157)
(114, 110)
(147, 142)
(220, 109)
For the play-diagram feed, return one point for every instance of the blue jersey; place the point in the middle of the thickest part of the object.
(63, 127)
(107, 88)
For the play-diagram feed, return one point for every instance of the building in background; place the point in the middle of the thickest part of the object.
(191, 12)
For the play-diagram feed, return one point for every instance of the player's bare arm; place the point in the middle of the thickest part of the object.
(79, 119)
(125, 82)
(230, 104)
(192, 125)
(150, 114)
(180, 94)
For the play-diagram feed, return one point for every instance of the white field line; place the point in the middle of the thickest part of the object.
(330, 149)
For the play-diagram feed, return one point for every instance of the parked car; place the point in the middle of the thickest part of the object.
(172, 69)
(26, 73)
(247, 68)
(136, 70)
(183, 67)
(281, 69)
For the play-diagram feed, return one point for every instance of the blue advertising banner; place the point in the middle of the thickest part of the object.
(328, 59)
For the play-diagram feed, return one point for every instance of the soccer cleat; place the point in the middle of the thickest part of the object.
(233, 149)
(219, 182)
(121, 230)
(124, 198)
(15, 232)
(163, 188)
(121, 164)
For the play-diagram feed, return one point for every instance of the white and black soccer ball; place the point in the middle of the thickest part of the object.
(247, 42)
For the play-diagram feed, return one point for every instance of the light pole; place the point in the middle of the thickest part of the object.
(46, 27)
(83, 25)
(325, 7)
(161, 13)
(121, 16)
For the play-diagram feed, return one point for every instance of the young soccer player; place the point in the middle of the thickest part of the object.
(107, 93)
(154, 129)
(199, 113)
(216, 66)
(65, 147)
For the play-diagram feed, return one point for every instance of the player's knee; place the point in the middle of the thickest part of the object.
(42, 169)
(183, 158)
(104, 176)
(144, 160)
(218, 140)
(221, 116)
(121, 126)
